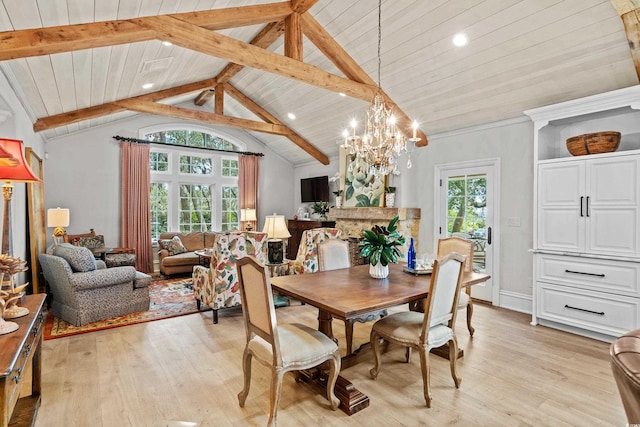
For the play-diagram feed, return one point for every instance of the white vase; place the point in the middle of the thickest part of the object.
(378, 271)
(389, 199)
(338, 202)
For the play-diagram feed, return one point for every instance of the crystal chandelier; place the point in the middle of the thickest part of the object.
(381, 143)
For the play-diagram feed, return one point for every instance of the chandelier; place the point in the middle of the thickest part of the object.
(381, 142)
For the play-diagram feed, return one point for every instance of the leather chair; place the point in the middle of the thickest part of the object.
(217, 285)
(425, 331)
(334, 254)
(282, 348)
(464, 247)
(625, 363)
(116, 257)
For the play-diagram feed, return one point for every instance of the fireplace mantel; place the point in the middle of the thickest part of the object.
(352, 221)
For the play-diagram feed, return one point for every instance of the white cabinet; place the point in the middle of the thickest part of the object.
(587, 218)
(590, 206)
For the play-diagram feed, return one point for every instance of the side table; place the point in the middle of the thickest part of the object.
(19, 357)
(275, 270)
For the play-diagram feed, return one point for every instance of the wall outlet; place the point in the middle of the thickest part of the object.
(513, 221)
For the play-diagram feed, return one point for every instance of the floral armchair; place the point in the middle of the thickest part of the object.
(307, 259)
(218, 286)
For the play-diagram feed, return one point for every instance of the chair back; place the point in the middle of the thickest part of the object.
(333, 254)
(458, 245)
(444, 290)
(308, 249)
(257, 304)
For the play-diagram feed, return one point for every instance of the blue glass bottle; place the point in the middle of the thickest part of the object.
(411, 256)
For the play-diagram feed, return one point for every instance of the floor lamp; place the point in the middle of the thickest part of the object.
(14, 171)
(276, 227)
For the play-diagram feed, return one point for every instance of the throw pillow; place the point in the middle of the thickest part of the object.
(90, 242)
(80, 259)
(174, 246)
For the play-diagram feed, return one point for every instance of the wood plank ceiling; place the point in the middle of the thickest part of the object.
(522, 54)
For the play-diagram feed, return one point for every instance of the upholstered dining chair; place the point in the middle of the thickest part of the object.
(282, 348)
(333, 254)
(464, 247)
(433, 328)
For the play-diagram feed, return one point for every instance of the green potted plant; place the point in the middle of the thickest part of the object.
(389, 196)
(338, 195)
(321, 209)
(381, 245)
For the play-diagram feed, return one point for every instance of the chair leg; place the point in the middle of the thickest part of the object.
(469, 314)
(215, 317)
(331, 382)
(198, 304)
(425, 368)
(246, 368)
(407, 355)
(348, 331)
(453, 357)
(375, 346)
(276, 386)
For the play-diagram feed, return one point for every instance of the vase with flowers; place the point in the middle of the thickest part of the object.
(320, 209)
(338, 195)
(389, 196)
(381, 245)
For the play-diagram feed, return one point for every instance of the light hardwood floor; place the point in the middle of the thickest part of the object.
(186, 371)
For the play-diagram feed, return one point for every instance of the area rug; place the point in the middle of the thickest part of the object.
(169, 298)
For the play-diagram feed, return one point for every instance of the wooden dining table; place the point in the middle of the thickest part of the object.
(348, 293)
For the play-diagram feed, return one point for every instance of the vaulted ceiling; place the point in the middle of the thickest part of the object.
(248, 63)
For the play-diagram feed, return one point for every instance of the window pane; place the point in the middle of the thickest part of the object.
(230, 208)
(195, 208)
(229, 167)
(159, 161)
(159, 209)
(196, 165)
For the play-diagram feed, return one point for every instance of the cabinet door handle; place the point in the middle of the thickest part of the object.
(489, 237)
(587, 206)
(599, 313)
(581, 200)
(582, 272)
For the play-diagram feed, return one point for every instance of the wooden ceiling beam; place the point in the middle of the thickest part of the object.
(302, 6)
(218, 106)
(67, 38)
(96, 111)
(143, 106)
(629, 11)
(192, 37)
(250, 105)
(293, 37)
(203, 97)
(345, 63)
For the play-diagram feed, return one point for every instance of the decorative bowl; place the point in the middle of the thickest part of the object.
(593, 143)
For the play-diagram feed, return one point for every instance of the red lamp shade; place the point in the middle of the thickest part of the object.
(20, 170)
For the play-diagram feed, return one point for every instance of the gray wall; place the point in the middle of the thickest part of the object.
(512, 142)
(83, 174)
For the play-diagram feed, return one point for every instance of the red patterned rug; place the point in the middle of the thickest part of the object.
(169, 298)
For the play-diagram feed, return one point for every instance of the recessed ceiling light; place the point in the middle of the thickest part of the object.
(460, 39)
(291, 116)
(167, 43)
(147, 86)
(342, 94)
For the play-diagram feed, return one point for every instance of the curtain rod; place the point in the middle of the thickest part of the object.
(144, 141)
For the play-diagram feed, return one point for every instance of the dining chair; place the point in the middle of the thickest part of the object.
(282, 348)
(333, 254)
(464, 247)
(433, 328)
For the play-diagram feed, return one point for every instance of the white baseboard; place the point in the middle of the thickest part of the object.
(516, 301)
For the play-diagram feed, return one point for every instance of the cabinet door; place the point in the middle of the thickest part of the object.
(613, 207)
(561, 196)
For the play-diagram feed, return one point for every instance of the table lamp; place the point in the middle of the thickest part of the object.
(276, 228)
(57, 218)
(248, 216)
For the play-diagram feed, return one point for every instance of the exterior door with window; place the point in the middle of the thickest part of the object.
(467, 204)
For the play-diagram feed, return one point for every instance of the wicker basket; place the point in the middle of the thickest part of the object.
(593, 143)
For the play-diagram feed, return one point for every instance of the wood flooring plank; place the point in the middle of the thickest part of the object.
(188, 369)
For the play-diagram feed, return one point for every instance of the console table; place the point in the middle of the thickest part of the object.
(19, 359)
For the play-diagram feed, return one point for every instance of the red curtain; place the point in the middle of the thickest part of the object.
(248, 185)
(136, 215)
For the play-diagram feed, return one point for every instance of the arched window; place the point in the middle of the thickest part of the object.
(192, 189)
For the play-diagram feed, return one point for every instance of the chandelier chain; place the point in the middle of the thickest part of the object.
(379, 39)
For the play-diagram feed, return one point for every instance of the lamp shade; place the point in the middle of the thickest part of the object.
(18, 171)
(276, 227)
(248, 215)
(58, 217)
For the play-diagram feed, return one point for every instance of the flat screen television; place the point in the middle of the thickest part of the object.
(314, 189)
